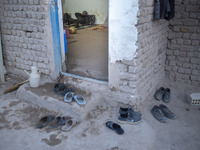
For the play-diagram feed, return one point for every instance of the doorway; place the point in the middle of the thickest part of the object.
(87, 50)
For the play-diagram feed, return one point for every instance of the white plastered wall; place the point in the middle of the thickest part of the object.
(99, 8)
(122, 35)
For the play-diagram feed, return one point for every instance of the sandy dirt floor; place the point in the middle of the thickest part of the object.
(87, 54)
(18, 119)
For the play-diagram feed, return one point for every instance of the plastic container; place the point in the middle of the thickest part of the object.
(34, 77)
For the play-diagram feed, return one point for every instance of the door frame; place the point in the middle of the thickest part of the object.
(62, 50)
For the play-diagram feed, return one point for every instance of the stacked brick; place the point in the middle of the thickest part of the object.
(145, 72)
(183, 51)
(23, 35)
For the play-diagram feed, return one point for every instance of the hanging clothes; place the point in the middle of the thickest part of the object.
(164, 9)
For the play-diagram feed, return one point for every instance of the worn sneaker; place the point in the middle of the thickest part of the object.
(129, 110)
(166, 96)
(167, 112)
(159, 94)
(158, 114)
(129, 119)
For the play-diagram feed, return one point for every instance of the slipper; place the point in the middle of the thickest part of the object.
(44, 121)
(79, 99)
(68, 97)
(59, 121)
(69, 124)
(115, 127)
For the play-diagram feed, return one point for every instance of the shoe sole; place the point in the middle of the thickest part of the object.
(126, 122)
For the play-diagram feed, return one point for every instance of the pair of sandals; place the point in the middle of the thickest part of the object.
(54, 122)
(62, 89)
(69, 96)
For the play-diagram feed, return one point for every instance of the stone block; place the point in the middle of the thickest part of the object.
(193, 15)
(30, 41)
(195, 36)
(176, 28)
(35, 29)
(127, 76)
(192, 8)
(195, 61)
(46, 61)
(198, 67)
(171, 57)
(30, 2)
(186, 65)
(25, 28)
(184, 59)
(168, 68)
(184, 29)
(195, 42)
(190, 22)
(34, 16)
(39, 16)
(190, 54)
(188, 71)
(186, 35)
(36, 2)
(187, 42)
(193, 66)
(42, 23)
(193, 78)
(19, 27)
(172, 63)
(195, 72)
(126, 89)
(41, 9)
(179, 41)
(183, 54)
(30, 28)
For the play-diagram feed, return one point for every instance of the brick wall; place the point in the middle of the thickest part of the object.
(183, 51)
(24, 27)
(150, 58)
(144, 74)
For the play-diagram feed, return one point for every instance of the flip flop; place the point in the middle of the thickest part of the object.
(44, 121)
(80, 99)
(68, 97)
(59, 121)
(115, 127)
(69, 124)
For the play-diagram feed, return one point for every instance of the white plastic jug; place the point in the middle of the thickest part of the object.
(34, 77)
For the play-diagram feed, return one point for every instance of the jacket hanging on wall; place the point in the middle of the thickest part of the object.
(164, 9)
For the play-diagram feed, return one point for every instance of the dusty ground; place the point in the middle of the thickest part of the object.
(18, 118)
(88, 54)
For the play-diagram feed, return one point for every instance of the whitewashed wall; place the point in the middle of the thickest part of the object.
(99, 8)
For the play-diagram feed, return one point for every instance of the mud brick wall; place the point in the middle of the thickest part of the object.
(148, 68)
(183, 51)
(24, 29)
